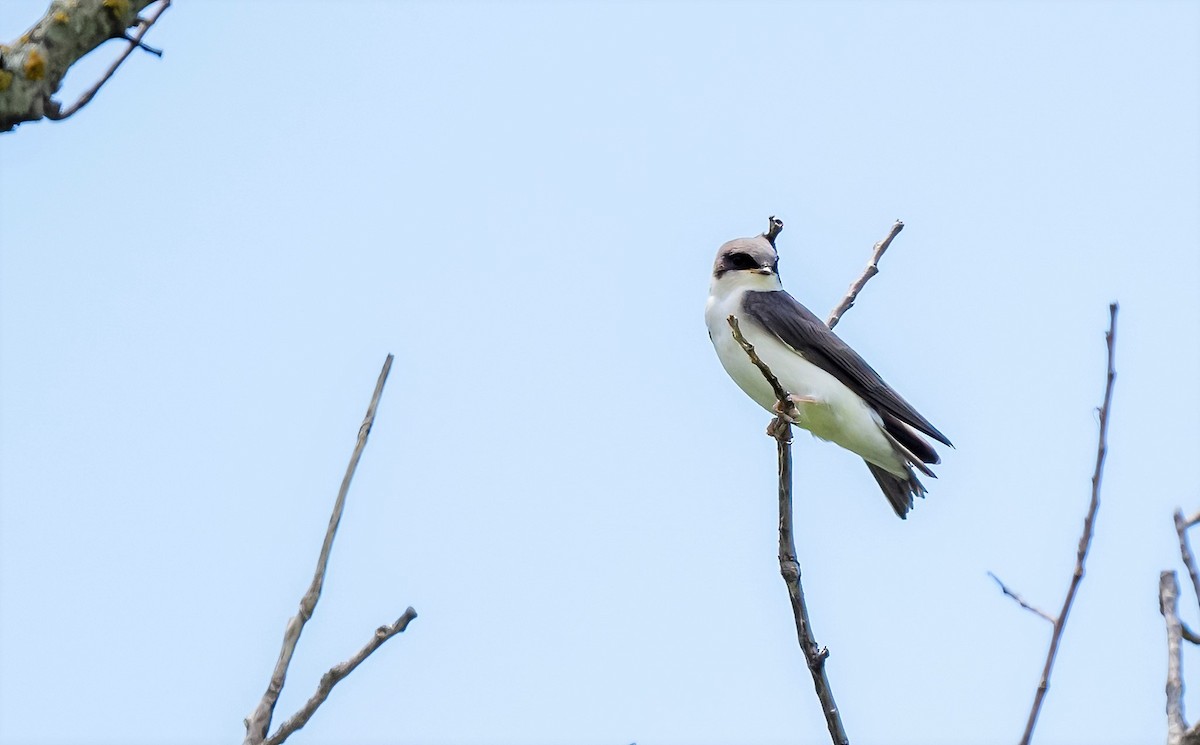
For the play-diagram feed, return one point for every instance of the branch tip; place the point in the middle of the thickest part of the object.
(141, 44)
(871, 270)
(774, 228)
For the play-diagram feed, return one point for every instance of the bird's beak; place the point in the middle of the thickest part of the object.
(766, 271)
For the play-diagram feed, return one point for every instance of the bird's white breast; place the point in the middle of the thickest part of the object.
(838, 414)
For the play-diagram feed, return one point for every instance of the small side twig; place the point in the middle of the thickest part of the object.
(335, 675)
(56, 112)
(1185, 549)
(871, 270)
(259, 721)
(1085, 540)
(785, 402)
(814, 654)
(1021, 601)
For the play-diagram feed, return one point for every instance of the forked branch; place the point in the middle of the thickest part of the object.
(335, 675)
(781, 429)
(259, 721)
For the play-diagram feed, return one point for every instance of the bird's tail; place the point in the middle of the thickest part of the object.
(899, 490)
(916, 452)
(911, 444)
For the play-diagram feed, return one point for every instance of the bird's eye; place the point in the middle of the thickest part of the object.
(741, 260)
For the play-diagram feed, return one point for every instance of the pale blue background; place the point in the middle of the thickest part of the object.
(203, 271)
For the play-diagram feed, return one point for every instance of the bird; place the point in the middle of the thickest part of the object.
(838, 397)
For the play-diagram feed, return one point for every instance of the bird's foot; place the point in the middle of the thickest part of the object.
(778, 427)
(789, 412)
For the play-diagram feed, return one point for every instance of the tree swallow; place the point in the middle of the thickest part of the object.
(838, 396)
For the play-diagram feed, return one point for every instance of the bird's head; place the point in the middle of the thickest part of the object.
(752, 255)
(750, 261)
(746, 263)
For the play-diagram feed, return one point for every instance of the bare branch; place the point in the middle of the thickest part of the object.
(1178, 732)
(814, 654)
(32, 67)
(871, 270)
(259, 722)
(781, 429)
(55, 113)
(1021, 601)
(335, 675)
(1085, 540)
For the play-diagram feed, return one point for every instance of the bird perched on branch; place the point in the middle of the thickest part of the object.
(836, 395)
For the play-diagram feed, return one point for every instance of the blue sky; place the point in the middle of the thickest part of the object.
(202, 272)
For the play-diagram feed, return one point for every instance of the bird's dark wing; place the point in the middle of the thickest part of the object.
(782, 315)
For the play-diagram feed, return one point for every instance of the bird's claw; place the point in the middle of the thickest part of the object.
(783, 412)
(789, 412)
(778, 427)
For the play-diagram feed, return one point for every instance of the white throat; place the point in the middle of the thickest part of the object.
(734, 283)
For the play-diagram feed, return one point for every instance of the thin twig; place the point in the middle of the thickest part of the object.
(259, 722)
(814, 654)
(786, 405)
(335, 674)
(1021, 601)
(1185, 550)
(57, 113)
(1085, 540)
(871, 270)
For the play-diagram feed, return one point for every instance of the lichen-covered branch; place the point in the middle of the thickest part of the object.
(32, 67)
